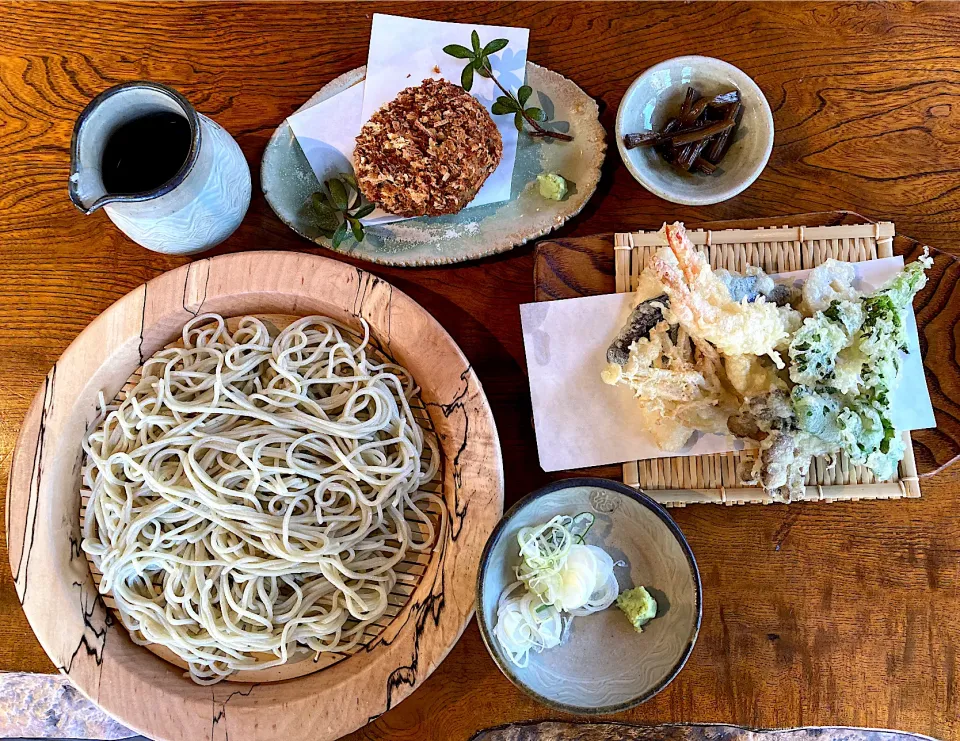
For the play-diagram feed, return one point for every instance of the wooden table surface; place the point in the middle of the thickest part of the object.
(840, 614)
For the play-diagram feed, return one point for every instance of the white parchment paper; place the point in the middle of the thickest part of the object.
(581, 421)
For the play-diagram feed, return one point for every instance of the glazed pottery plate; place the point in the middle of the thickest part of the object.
(288, 183)
(603, 665)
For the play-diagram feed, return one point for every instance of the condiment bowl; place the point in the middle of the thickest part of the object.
(655, 97)
(603, 665)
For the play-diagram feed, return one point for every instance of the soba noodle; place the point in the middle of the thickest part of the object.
(251, 494)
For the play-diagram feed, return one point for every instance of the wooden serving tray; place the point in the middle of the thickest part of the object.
(585, 266)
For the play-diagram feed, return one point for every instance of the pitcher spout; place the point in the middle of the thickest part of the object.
(86, 188)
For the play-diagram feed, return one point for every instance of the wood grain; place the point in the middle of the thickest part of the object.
(798, 628)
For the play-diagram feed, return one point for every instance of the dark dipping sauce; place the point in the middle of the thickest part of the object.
(145, 153)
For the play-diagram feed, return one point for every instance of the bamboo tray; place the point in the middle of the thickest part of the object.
(568, 268)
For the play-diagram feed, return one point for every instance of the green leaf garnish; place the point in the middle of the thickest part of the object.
(326, 216)
(365, 210)
(357, 228)
(536, 114)
(494, 46)
(460, 52)
(339, 235)
(478, 63)
(339, 209)
(338, 193)
(466, 78)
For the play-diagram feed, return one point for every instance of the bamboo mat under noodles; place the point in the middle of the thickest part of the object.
(712, 478)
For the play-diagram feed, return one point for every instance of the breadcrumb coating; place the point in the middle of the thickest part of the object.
(428, 151)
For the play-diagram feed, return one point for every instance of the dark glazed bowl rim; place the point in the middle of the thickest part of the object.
(637, 496)
(189, 112)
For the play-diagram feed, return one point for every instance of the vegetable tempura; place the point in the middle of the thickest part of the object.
(692, 353)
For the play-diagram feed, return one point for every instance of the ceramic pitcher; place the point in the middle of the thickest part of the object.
(199, 207)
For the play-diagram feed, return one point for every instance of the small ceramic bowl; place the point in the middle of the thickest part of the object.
(655, 96)
(603, 665)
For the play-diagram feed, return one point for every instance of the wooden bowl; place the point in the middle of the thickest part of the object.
(52, 575)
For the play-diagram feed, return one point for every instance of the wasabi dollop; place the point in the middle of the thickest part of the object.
(639, 607)
(552, 186)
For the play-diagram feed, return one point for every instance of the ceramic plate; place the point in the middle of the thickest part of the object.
(288, 182)
(603, 665)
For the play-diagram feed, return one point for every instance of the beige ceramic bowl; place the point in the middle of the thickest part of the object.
(656, 95)
(603, 665)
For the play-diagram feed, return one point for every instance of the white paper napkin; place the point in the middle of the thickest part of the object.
(580, 421)
(403, 53)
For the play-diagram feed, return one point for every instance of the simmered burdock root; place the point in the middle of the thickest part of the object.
(427, 152)
(698, 137)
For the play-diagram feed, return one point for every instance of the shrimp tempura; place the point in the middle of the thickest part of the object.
(701, 303)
